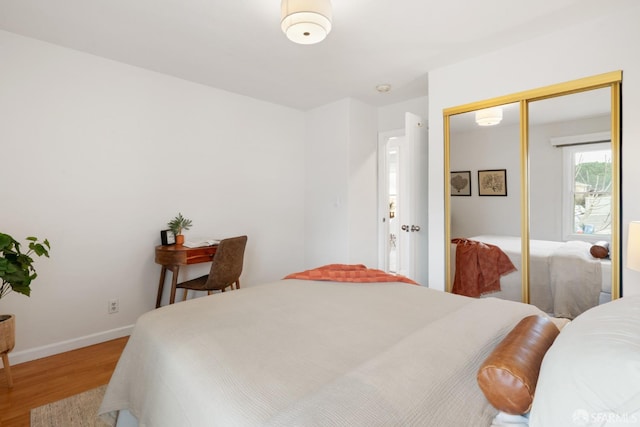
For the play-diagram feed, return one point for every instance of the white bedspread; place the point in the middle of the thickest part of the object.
(564, 280)
(576, 279)
(303, 353)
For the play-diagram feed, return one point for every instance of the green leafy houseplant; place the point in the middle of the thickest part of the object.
(16, 268)
(179, 223)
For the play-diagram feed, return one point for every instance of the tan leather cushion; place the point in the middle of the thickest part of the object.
(508, 377)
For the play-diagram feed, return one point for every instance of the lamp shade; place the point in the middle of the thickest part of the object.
(489, 116)
(306, 21)
(633, 246)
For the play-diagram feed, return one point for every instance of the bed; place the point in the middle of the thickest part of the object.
(313, 353)
(552, 265)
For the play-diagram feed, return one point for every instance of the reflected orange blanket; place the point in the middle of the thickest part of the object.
(357, 273)
(479, 267)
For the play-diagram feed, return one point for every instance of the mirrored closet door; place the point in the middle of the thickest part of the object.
(536, 174)
(485, 190)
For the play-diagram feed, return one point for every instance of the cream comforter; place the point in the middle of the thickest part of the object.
(564, 279)
(305, 353)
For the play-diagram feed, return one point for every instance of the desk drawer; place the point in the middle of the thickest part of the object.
(198, 255)
(171, 257)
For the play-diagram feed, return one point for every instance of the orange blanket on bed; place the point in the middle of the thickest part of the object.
(479, 267)
(356, 273)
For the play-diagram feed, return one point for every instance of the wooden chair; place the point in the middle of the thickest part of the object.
(225, 268)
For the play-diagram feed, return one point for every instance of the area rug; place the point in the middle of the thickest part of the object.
(79, 410)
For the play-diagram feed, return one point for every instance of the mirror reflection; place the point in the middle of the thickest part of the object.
(488, 210)
(533, 206)
(570, 209)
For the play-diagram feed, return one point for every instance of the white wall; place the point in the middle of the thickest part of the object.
(363, 185)
(391, 117)
(605, 44)
(340, 193)
(97, 156)
(326, 190)
(484, 149)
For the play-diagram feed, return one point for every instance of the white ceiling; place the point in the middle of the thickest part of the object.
(238, 46)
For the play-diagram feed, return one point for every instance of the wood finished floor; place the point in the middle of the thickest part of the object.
(47, 380)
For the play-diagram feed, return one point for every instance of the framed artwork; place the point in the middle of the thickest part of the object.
(460, 183)
(167, 237)
(492, 182)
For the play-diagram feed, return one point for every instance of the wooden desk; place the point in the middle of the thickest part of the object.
(172, 257)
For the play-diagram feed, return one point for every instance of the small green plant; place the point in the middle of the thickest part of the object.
(179, 223)
(16, 268)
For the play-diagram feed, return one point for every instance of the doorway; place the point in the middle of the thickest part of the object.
(402, 200)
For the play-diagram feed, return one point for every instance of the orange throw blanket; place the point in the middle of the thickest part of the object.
(479, 267)
(356, 273)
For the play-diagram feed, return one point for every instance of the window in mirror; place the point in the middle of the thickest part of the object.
(588, 173)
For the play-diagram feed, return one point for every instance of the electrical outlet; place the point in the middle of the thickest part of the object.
(114, 306)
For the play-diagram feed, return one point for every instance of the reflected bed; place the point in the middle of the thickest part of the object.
(541, 267)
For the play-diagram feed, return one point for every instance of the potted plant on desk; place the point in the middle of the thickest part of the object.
(176, 225)
(17, 272)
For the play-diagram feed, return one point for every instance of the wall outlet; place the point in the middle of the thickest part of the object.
(114, 306)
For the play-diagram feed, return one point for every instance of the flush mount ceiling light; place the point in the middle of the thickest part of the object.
(489, 116)
(383, 88)
(306, 21)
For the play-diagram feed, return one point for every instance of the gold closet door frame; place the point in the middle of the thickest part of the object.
(613, 80)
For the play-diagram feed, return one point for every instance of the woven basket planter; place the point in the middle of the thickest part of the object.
(7, 332)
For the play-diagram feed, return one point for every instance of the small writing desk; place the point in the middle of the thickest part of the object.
(172, 257)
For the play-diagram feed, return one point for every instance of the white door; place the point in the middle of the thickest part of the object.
(402, 184)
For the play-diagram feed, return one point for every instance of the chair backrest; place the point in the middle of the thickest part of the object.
(227, 263)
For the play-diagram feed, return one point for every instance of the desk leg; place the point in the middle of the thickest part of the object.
(174, 282)
(163, 274)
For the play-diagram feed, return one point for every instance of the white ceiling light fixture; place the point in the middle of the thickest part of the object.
(489, 116)
(306, 21)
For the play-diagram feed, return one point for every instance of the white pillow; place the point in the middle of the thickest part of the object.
(591, 374)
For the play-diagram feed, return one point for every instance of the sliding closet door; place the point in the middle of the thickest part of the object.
(570, 195)
(485, 186)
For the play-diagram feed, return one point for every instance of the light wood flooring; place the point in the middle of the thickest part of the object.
(47, 380)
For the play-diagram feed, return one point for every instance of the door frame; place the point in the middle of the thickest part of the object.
(383, 196)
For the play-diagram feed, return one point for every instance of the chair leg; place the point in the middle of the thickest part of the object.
(238, 284)
(7, 369)
(184, 297)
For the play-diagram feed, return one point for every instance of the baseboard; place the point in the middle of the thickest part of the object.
(60, 347)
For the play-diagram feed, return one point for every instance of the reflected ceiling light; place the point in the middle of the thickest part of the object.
(306, 21)
(489, 116)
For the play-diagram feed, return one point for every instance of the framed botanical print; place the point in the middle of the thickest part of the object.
(492, 182)
(460, 183)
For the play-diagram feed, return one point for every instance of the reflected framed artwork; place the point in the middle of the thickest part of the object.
(492, 182)
(460, 183)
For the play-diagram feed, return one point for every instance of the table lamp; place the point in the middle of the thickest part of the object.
(633, 246)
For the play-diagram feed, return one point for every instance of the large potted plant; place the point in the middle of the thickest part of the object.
(16, 272)
(176, 225)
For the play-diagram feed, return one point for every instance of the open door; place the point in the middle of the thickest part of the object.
(402, 184)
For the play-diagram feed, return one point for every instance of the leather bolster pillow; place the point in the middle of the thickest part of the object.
(508, 377)
(600, 250)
